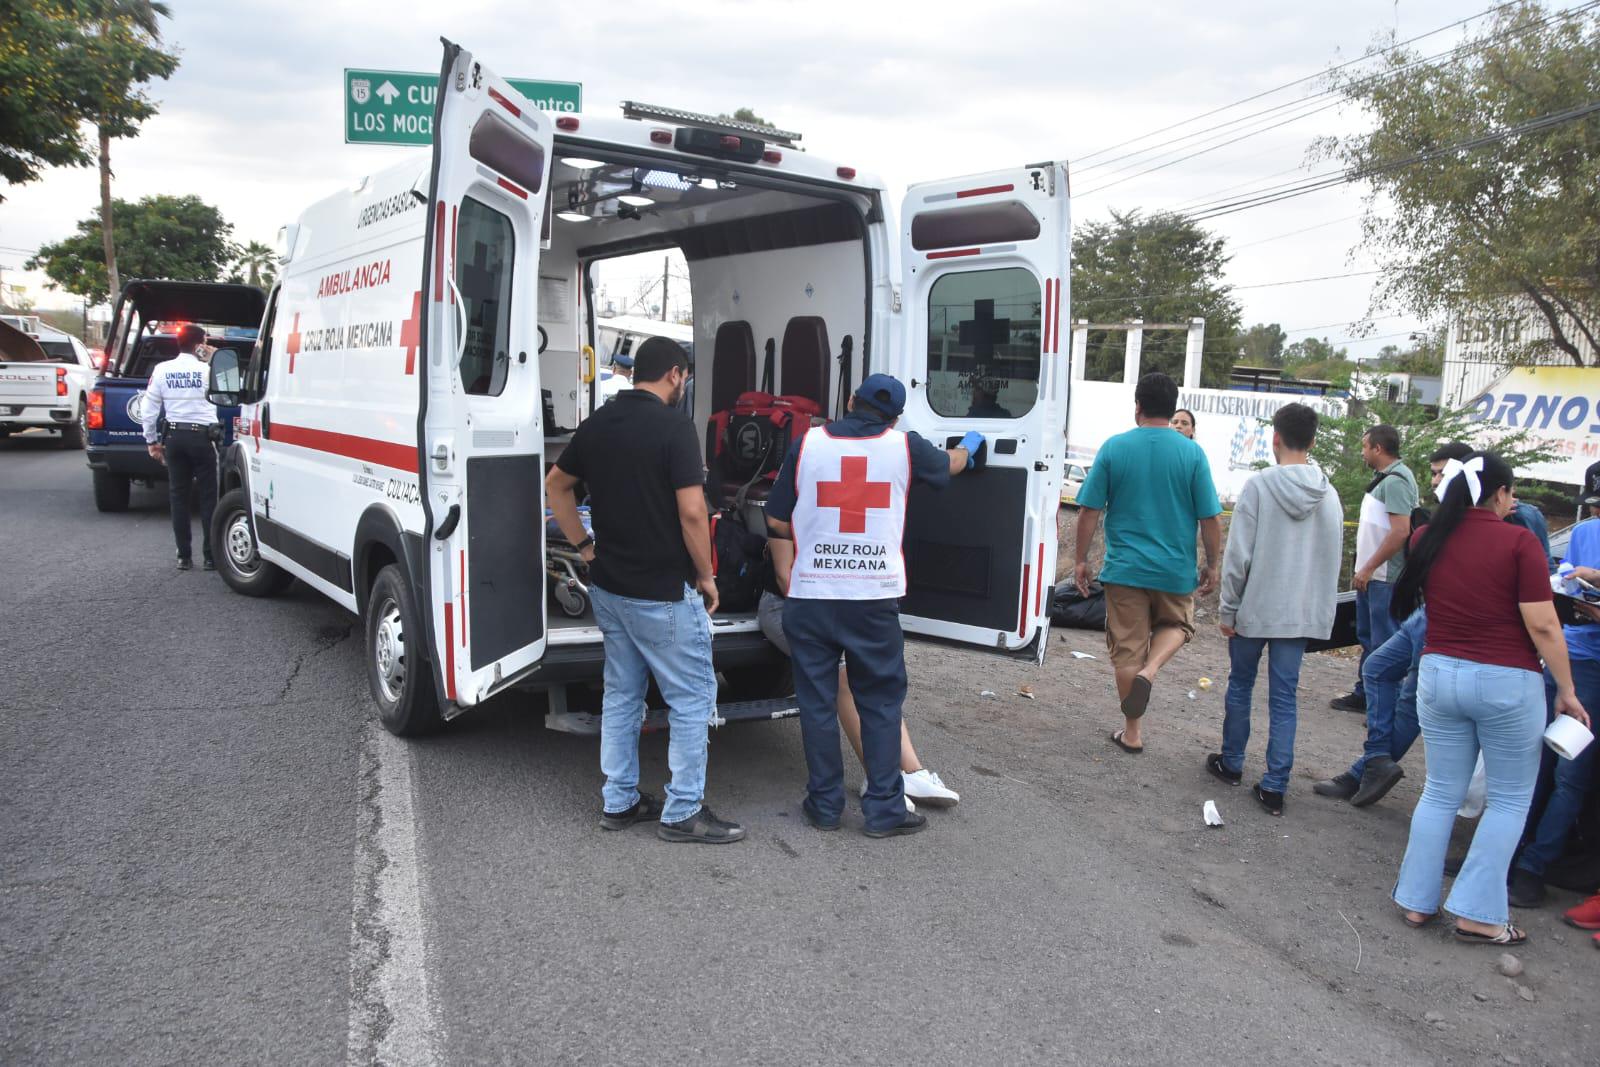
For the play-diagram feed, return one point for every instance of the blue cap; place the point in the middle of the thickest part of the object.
(885, 393)
(622, 361)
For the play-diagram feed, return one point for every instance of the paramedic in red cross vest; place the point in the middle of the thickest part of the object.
(841, 499)
(177, 391)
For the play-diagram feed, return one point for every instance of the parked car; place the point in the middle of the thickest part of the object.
(1072, 481)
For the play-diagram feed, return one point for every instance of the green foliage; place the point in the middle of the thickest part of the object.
(745, 114)
(1261, 345)
(1337, 449)
(68, 63)
(177, 237)
(1163, 268)
(1520, 216)
(254, 264)
(1316, 359)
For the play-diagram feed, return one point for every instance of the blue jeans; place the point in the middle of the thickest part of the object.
(1466, 707)
(670, 639)
(1374, 625)
(1390, 674)
(1563, 794)
(867, 633)
(1283, 678)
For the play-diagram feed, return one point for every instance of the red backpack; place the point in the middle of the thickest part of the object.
(747, 444)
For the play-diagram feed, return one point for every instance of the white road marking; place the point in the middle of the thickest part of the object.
(392, 1020)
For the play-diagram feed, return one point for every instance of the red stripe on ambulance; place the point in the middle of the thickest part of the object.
(366, 449)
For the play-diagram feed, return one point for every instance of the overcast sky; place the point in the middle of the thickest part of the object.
(252, 120)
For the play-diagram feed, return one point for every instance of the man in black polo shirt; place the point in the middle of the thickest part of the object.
(650, 567)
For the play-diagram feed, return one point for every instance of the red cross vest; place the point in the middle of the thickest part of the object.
(849, 516)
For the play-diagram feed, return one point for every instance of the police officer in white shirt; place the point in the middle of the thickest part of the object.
(177, 391)
(841, 498)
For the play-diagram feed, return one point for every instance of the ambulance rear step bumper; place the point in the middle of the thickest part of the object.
(588, 724)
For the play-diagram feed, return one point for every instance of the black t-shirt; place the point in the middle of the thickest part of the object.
(634, 454)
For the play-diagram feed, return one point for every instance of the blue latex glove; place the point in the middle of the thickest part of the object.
(972, 440)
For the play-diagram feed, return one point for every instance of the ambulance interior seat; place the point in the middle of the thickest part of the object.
(805, 359)
(733, 364)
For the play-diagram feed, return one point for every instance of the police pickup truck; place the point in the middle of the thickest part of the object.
(144, 333)
(44, 379)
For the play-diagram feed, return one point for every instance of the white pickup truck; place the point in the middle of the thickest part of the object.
(45, 377)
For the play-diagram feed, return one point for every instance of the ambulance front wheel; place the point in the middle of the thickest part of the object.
(397, 661)
(233, 543)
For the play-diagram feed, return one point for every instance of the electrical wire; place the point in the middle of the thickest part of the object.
(1291, 84)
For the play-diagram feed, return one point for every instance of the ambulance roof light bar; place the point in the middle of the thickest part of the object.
(632, 109)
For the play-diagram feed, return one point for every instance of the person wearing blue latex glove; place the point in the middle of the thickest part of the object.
(971, 441)
(836, 516)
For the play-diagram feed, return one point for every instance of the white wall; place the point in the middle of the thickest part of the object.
(767, 289)
(1228, 425)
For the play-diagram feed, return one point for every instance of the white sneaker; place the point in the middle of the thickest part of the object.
(926, 787)
(912, 808)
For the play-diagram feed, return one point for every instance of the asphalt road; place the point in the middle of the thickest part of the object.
(211, 855)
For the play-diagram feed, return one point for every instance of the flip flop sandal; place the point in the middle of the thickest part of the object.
(1511, 935)
(1116, 739)
(1417, 924)
(1138, 698)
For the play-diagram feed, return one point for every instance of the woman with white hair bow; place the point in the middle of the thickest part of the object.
(1490, 621)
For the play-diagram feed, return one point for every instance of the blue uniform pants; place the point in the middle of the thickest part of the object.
(867, 633)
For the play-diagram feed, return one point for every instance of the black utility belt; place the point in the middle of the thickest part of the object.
(197, 427)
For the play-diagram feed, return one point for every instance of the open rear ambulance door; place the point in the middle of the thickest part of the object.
(479, 422)
(985, 262)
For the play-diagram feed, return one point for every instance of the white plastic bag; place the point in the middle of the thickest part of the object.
(1472, 807)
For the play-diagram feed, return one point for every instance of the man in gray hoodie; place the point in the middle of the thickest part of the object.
(1280, 575)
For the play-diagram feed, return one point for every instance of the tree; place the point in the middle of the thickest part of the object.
(43, 66)
(1337, 449)
(745, 114)
(255, 264)
(1316, 359)
(177, 237)
(1261, 345)
(1462, 223)
(123, 48)
(1163, 268)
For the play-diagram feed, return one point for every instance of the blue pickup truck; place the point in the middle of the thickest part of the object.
(143, 334)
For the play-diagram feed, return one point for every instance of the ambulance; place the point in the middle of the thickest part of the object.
(430, 344)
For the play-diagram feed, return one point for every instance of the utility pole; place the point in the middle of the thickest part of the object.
(666, 266)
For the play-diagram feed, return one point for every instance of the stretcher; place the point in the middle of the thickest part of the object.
(566, 574)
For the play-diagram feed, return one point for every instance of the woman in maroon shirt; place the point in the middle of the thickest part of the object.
(1480, 689)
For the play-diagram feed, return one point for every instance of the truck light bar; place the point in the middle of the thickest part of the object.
(632, 109)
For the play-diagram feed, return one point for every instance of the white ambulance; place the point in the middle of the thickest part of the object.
(431, 338)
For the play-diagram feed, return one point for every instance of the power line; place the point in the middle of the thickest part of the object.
(1291, 84)
(1455, 54)
(1295, 233)
(1256, 285)
(1328, 179)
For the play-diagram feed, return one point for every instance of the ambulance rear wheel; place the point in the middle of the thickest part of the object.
(233, 543)
(397, 662)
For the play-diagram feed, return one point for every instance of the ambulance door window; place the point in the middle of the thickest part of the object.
(485, 247)
(255, 377)
(983, 344)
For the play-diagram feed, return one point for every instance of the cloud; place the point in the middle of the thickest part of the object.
(252, 119)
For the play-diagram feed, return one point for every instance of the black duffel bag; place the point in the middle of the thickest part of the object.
(1068, 607)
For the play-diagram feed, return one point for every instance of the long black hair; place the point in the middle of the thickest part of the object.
(1453, 506)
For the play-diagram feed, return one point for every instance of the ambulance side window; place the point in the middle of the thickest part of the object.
(485, 247)
(983, 344)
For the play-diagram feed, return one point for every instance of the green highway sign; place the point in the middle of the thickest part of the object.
(396, 106)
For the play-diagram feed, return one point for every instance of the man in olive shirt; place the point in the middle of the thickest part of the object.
(1381, 537)
(650, 565)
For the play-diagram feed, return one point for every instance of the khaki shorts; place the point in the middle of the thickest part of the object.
(1132, 615)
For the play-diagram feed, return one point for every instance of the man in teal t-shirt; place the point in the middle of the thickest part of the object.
(1154, 486)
